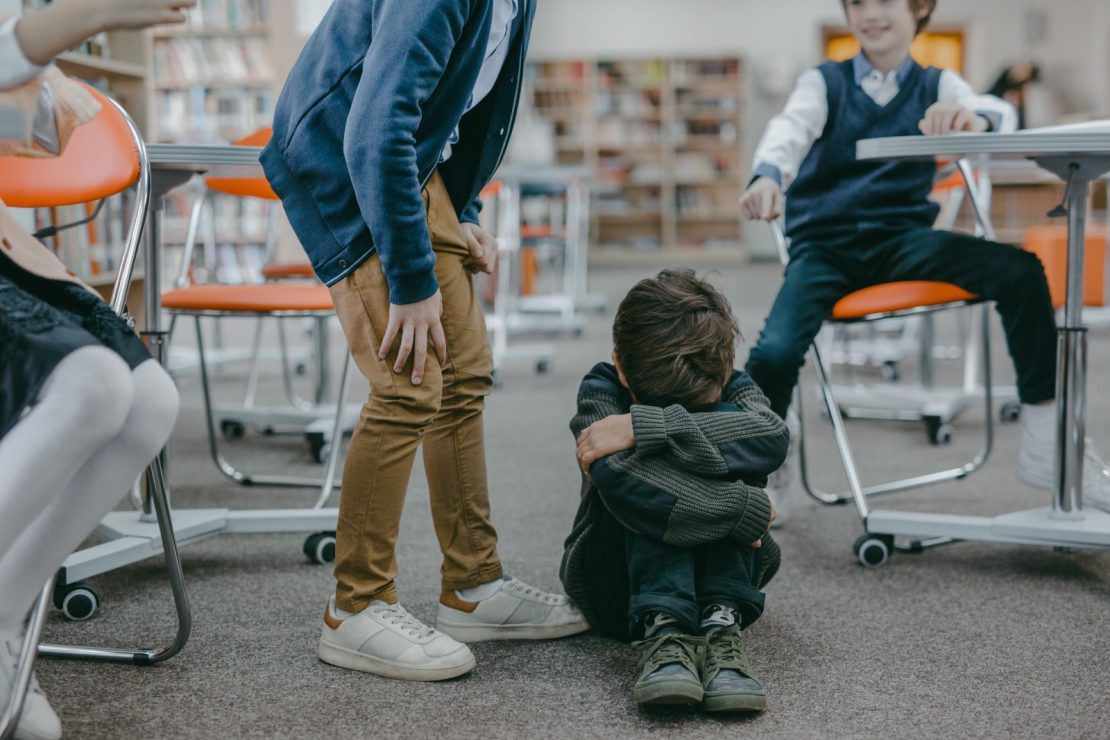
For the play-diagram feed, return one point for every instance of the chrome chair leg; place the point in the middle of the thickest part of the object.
(147, 656)
(221, 462)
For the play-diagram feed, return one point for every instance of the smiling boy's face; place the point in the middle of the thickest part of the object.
(883, 27)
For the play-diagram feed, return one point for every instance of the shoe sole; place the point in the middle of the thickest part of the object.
(356, 661)
(735, 702)
(668, 693)
(487, 632)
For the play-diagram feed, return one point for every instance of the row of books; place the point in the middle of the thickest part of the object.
(93, 251)
(228, 14)
(199, 115)
(211, 62)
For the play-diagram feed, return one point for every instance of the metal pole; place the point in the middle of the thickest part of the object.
(1071, 377)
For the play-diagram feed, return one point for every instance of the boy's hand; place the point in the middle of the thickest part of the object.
(415, 323)
(139, 13)
(483, 249)
(603, 438)
(774, 515)
(762, 201)
(951, 118)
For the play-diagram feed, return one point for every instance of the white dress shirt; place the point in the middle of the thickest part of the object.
(790, 135)
(14, 67)
(497, 51)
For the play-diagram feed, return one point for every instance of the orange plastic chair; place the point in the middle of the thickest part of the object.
(275, 299)
(1050, 244)
(895, 300)
(104, 157)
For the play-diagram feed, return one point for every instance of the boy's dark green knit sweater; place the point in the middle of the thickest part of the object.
(692, 478)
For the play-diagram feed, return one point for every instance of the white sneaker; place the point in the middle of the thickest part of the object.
(515, 612)
(386, 640)
(37, 721)
(1037, 468)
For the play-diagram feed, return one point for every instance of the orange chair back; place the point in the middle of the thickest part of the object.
(246, 187)
(100, 160)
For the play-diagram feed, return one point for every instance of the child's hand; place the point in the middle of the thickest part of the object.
(762, 201)
(483, 249)
(774, 515)
(603, 438)
(139, 13)
(951, 118)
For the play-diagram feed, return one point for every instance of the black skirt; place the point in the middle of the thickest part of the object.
(41, 322)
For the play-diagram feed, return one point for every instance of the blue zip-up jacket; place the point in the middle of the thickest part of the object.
(362, 121)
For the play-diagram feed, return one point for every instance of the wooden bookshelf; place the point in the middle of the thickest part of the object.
(663, 137)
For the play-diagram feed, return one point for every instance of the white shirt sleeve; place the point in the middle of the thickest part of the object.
(790, 135)
(955, 89)
(14, 67)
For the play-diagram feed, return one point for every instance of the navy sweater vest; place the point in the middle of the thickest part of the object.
(834, 190)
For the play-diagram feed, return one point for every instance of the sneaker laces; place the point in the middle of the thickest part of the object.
(523, 589)
(725, 651)
(669, 650)
(398, 616)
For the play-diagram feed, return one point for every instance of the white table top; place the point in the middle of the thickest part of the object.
(1031, 144)
(214, 159)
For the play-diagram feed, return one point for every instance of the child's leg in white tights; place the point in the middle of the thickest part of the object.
(74, 507)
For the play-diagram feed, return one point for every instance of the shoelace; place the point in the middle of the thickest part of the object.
(725, 653)
(671, 649)
(525, 590)
(397, 615)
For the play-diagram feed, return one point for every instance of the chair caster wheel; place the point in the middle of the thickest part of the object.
(940, 434)
(1010, 412)
(77, 602)
(320, 547)
(890, 371)
(233, 430)
(543, 367)
(873, 550)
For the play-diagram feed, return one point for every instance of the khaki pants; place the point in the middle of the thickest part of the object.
(444, 412)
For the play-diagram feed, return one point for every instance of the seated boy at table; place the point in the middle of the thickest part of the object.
(670, 541)
(855, 223)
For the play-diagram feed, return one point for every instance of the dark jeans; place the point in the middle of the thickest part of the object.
(680, 581)
(823, 270)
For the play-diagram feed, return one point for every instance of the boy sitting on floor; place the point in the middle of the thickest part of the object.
(670, 541)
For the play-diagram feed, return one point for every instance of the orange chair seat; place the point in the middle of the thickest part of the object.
(286, 270)
(898, 296)
(269, 298)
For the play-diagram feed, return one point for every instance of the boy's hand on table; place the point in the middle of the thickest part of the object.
(774, 515)
(762, 201)
(603, 438)
(951, 118)
(483, 249)
(415, 323)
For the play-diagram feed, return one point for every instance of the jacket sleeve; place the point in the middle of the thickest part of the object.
(408, 55)
(599, 395)
(742, 439)
(470, 213)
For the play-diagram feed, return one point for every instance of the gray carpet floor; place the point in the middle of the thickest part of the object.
(968, 640)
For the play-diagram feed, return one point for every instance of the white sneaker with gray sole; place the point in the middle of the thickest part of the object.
(386, 640)
(516, 611)
(37, 721)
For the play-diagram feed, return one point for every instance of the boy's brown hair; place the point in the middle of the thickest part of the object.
(674, 338)
(916, 6)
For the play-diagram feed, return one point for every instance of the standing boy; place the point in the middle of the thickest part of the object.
(858, 223)
(670, 541)
(394, 117)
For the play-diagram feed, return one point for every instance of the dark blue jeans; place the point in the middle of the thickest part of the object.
(680, 581)
(825, 268)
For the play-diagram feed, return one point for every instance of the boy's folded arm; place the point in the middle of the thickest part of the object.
(671, 505)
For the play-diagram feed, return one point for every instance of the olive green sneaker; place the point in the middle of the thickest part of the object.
(668, 670)
(727, 677)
